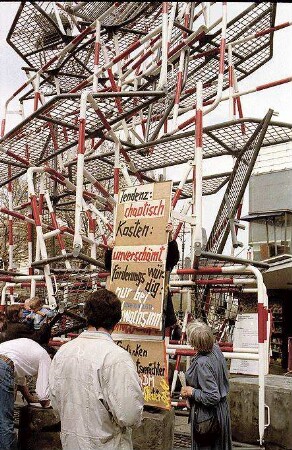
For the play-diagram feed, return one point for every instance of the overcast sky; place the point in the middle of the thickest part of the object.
(254, 105)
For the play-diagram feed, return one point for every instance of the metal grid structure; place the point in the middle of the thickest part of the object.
(248, 58)
(236, 187)
(211, 184)
(138, 66)
(119, 92)
(80, 62)
(53, 128)
(56, 119)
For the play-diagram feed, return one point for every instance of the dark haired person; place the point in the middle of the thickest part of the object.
(94, 384)
(208, 386)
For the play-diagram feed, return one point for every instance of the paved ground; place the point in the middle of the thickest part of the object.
(182, 436)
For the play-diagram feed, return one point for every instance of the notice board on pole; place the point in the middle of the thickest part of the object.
(139, 256)
(245, 336)
(150, 360)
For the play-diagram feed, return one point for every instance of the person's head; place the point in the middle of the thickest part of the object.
(13, 313)
(200, 336)
(27, 304)
(35, 304)
(103, 309)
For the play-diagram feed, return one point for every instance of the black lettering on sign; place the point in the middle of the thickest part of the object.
(135, 196)
(137, 230)
(125, 275)
(152, 368)
(137, 351)
(152, 287)
(156, 273)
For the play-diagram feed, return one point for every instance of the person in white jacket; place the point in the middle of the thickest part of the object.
(94, 384)
(20, 358)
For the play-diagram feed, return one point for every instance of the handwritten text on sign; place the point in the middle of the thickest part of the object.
(150, 360)
(138, 271)
(142, 213)
(137, 277)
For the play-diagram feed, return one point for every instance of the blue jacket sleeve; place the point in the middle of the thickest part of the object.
(208, 392)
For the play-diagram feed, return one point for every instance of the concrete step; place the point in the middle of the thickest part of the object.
(243, 446)
(183, 441)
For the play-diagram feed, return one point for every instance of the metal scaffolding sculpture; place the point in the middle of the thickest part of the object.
(119, 92)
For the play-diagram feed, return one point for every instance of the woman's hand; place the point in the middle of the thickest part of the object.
(186, 391)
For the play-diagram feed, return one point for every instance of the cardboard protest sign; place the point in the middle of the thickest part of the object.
(142, 214)
(150, 360)
(139, 256)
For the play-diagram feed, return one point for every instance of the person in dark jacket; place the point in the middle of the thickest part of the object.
(171, 260)
(207, 386)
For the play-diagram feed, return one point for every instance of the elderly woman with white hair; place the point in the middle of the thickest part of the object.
(207, 389)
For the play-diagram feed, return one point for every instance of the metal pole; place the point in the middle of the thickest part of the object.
(233, 259)
(41, 245)
(285, 232)
(77, 243)
(262, 338)
(198, 186)
(275, 236)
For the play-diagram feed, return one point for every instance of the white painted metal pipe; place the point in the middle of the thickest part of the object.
(262, 357)
(227, 355)
(231, 83)
(92, 208)
(96, 56)
(244, 281)
(77, 242)
(51, 234)
(126, 175)
(235, 349)
(217, 100)
(3, 294)
(20, 278)
(164, 49)
(40, 237)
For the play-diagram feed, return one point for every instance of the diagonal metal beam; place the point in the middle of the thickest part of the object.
(236, 186)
